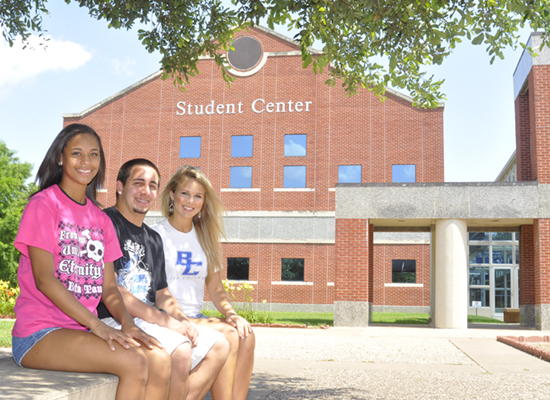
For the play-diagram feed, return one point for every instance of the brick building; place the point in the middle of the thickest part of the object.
(275, 145)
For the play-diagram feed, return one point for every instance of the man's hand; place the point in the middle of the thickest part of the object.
(186, 328)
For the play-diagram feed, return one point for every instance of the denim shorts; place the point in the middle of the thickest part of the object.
(21, 346)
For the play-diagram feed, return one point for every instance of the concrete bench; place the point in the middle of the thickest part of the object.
(20, 383)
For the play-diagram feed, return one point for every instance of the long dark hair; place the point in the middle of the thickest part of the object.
(50, 172)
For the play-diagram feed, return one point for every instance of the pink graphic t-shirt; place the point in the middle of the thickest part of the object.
(81, 239)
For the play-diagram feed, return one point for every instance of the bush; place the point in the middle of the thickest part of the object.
(8, 296)
(246, 310)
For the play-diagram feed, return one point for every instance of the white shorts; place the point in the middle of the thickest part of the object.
(171, 339)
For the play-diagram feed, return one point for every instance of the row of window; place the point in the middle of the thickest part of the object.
(242, 146)
(292, 269)
(293, 176)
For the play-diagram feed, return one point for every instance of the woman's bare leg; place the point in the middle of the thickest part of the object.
(79, 351)
(234, 378)
(206, 372)
(245, 364)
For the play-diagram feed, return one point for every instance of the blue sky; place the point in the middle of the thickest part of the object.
(85, 62)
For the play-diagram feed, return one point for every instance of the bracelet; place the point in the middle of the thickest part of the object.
(231, 314)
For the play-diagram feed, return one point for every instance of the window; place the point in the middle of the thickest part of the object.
(292, 269)
(190, 147)
(349, 174)
(241, 177)
(403, 173)
(295, 145)
(403, 271)
(493, 256)
(241, 146)
(294, 177)
(237, 268)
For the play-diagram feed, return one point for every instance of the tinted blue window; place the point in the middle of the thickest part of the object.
(190, 147)
(241, 177)
(403, 173)
(295, 145)
(295, 177)
(349, 174)
(241, 146)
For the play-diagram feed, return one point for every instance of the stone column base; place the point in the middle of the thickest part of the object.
(542, 317)
(351, 313)
(527, 315)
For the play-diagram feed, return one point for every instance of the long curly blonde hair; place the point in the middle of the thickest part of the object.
(209, 226)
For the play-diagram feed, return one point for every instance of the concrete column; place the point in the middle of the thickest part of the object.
(433, 246)
(451, 277)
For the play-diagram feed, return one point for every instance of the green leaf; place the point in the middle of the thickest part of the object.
(478, 39)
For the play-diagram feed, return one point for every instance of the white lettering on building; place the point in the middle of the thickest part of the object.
(258, 106)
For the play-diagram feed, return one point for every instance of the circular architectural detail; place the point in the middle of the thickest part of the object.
(247, 53)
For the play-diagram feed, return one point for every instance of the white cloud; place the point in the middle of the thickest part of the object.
(293, 148)
(124, 67)
(18, 65)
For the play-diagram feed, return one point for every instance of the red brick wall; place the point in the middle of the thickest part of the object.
(340, 130)
(523, 138)
(539, 88)
(541, 233)
(265, 267)
(527, 266)
(353, 278)
(401, 296)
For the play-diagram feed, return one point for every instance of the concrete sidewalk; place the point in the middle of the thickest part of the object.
(395, 363)
(386, 363)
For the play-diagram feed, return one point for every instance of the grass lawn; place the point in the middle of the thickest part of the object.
(316, 319)
(400, 318)
(422, 319)
(483, 320)
(5, 333)
(301, 318)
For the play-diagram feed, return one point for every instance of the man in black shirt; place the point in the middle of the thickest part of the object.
(197, 353)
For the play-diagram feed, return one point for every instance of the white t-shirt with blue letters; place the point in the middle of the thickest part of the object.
(186, 266)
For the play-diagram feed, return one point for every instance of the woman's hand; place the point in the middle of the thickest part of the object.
(242, 325)
(137, 334)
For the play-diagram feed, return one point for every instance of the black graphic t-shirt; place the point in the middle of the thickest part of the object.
(141, 269)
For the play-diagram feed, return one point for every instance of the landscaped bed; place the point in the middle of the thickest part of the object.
(538, 346)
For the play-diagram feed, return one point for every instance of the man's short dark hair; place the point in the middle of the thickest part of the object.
(126, 169)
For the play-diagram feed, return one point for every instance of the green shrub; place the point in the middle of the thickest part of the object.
(8, 296)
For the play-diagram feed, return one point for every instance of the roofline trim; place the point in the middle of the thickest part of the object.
(269, 54)
(506, 167)
(113, 97)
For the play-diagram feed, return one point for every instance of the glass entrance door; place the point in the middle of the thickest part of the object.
(503, 289)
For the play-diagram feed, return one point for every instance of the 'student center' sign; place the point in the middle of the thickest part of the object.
(258, 106)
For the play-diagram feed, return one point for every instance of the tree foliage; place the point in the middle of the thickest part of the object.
(14, 193)
(407, 34)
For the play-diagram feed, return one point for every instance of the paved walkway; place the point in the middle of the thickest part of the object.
(393, 363)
